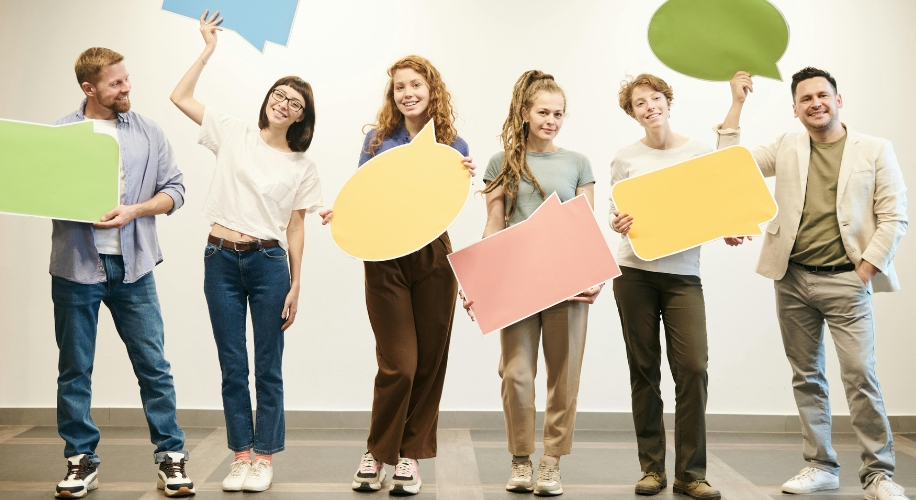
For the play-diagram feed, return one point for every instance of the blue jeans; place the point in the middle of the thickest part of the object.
(135, 310)
(233, 282)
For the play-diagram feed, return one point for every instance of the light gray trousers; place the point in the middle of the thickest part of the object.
(804, 302)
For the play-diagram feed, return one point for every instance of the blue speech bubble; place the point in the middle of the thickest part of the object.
(258, 21)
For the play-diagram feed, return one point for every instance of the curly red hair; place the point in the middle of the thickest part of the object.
(439, 109)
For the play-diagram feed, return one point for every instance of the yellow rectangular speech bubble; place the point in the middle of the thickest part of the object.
(694, 202)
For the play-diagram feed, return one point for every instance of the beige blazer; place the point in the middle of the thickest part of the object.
(870, 202)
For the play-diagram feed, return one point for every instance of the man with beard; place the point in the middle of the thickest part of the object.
(842, 212)
(111, 261)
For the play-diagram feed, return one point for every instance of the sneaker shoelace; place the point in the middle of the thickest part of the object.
(258, 469)
(808, 473)
(521, 470)
(368, 464)
(78, 471)
(548, 473)
(174, 469)
(890, 487)
(237, 469)
(404, 468)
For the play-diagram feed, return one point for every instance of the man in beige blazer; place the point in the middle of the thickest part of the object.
(842, 212)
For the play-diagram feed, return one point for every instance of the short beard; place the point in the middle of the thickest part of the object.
(120, 106)
(825, 127)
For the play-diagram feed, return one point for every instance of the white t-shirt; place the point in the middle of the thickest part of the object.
(108, 241)
(637, 159)
(255, 188)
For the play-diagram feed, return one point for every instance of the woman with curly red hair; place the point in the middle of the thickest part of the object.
(411, 299)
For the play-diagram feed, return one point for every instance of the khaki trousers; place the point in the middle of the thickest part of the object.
(411, 303)
(645, 299)
(804, 302)
(563, 327)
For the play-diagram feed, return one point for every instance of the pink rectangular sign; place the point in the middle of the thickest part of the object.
(554, 255)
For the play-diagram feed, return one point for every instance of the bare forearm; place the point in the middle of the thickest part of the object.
(733, 118)
(183, 95)
(159, 204)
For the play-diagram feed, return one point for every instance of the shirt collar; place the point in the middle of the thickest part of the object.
(80, 113)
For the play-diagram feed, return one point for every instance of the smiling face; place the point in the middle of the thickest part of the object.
(279, 110)
(817, 104)
(410, 92)
(545, 116)
(650, 107)
(111, 88)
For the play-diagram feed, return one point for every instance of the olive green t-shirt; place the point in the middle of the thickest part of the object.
(818, 242)
(561, 171)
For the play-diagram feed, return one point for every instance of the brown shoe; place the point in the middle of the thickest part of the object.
(697, 489)
(652, 483)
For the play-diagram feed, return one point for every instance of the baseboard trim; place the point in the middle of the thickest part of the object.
(607, 421)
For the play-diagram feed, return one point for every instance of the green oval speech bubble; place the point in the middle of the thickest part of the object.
(714, 39)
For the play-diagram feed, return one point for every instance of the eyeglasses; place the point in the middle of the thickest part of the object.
(280, 96)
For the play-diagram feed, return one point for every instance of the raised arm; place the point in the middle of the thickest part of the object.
(741, 85)
(183, 95)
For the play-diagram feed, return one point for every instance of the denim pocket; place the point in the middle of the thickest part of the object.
(210, 250)
(276, 252)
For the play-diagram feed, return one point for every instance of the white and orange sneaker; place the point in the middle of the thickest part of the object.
(82, 477)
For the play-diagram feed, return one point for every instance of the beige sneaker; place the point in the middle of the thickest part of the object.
(548, 483)
(522, 476)
(652, 483)
(697, 489)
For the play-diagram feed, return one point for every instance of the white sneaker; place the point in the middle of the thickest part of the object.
(521, 480)
(882, 487)
(172, 478)
(259, 477)
(811, 479)
(406, 478)
(82, 477)
(238, 471)
(370, 475)
(548, 483)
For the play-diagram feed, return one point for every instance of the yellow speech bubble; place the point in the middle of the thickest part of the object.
(695, 202)
(401, 200)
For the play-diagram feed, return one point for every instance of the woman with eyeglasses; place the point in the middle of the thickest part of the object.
(262, 186)
(410, 299)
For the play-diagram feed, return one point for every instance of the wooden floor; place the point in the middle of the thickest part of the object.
(471, 465)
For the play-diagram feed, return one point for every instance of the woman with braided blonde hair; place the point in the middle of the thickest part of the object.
(518, 180)
(410, 299)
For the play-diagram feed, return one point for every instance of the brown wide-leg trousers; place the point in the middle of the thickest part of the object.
(411, 303)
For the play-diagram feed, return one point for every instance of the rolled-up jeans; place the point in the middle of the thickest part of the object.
(804, 302)
(235, 281)
(135, 310)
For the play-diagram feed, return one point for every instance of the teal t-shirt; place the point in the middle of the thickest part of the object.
(561, 171)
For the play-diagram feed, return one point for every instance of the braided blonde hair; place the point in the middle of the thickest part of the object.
(514, 136)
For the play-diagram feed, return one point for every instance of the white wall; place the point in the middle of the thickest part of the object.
(480, 47)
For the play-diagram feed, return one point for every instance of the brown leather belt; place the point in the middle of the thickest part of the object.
(242, 246)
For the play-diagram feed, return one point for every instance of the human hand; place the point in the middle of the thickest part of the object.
(588, 296)
(468, 162)
(118, 217)
(741, 85)
(621, 222)
(326, 216)
(290, 307)
(209, 27)
(734, 241)
(866, 271)
(467, 305)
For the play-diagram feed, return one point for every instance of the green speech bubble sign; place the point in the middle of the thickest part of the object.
(714, 39)
(65, 172)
